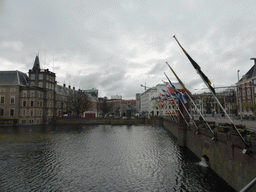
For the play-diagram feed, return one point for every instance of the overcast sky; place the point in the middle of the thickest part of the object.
(115, 46)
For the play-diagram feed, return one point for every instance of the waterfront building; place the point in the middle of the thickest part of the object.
(145, 100)
(153, 102)
(11, 84)
(123, 107)
(35, 98)
(138, 102)
(206, 103)
(246, 92)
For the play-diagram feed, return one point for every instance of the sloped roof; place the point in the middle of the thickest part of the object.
(62, 90)
(66, 91)
(36, 64)
(251, 73)
(13, 78)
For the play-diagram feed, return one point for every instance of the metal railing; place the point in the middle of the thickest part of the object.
(249, 185)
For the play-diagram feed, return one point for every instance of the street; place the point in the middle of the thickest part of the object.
(250, 124)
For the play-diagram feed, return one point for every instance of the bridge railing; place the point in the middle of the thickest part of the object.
(249, 186)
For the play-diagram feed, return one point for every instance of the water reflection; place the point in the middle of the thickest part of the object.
(99, 158)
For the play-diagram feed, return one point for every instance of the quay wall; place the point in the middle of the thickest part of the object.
(224, 154)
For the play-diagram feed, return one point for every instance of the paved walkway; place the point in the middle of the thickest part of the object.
(250, 124)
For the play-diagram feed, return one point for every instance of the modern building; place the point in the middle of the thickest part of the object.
(154, 101)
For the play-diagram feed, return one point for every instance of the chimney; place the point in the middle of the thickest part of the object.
(69, 87)
(64, 85)
(73, 88)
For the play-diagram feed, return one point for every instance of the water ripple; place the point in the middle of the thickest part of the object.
(101, 158)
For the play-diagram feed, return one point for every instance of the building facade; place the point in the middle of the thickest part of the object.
(246, 92)
(33, 99)
(155, 102)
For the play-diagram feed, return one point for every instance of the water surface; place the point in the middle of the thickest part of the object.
(100, 158)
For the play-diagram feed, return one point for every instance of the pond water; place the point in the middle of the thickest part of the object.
(100, 158)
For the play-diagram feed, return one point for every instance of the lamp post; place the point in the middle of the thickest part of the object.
(240, 100)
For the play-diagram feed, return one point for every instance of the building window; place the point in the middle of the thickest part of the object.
(24, 113)
(12, 99)
(13, 90)
(32, 83)
(40, 76)
(32, 94)
(40, 84)
(32, 103)
(2, 99)
(1, 112)
(23, 121)
(32, 77)
(25, 94)
(24, 103)
(31, 113)
(11, 112)
(3, 90)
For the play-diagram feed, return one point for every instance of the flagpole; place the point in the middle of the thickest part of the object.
(179, 110)
(182, 103)
(233, 125)
(214, 136)
(172, 116)
(204, 78)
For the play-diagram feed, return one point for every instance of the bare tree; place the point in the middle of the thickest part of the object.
(105, 107)
(79, 101)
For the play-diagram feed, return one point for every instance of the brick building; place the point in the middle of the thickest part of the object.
(33, 99)
(246, 92)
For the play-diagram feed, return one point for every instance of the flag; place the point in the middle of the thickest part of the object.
(177, 86)
(168, 96)
(178, 93)
(181, 83)
(197, 68)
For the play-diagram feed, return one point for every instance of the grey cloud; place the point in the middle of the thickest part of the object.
(103, 39)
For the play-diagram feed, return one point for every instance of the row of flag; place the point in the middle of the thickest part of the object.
(183, 93)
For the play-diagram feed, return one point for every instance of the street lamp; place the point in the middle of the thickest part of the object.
(240, 100)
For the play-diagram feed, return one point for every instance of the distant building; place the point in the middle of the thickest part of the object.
(123, 107)
(138, 102)
(93, 92)
(116, 97)
(153, 101)
(145, 100)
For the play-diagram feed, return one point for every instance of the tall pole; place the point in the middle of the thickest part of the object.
(239, 96)
(207, 82)
(239, 134)
(186, 91)
(173, 98)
